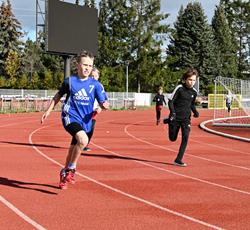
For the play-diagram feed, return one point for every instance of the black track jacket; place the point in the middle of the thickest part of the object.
(182, 102)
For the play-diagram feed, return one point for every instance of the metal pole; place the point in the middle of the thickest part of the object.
(215, 89)
(66, 66)
(36, 18)
(127, 80)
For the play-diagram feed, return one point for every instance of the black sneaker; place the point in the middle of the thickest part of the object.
(166, 120)
(157, 122)
(180, 163)
(87, 149)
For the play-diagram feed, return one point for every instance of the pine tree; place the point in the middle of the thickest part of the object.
(192, 45)
(31, 59)
(238, 15)
(225, 49)
(10, 34)
(145, 47)
(12, 64)
(127, 32)
(90, 3)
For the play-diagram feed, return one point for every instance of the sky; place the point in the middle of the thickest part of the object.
(25, 11)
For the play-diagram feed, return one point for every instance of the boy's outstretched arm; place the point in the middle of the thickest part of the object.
(53, 103)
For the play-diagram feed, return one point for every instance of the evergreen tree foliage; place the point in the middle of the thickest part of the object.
(31, 58)
(35, 82)
(23, 82)
(238, 15)
(12, 64)
(48, 80)
(127, 32)
(225, 48)
(2, 82)
(90, 3)
(192, 44)
(10, 34)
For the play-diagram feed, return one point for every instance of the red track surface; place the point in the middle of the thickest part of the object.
(126, 182)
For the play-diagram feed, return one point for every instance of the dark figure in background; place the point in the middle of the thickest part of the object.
(159, 99)
(181, 103)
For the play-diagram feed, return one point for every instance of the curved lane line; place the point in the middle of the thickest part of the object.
(178, 174)
(203, 126)
(172, 150)
(122, 192)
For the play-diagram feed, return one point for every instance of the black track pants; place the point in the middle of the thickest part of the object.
(90, 134)
(174, 128)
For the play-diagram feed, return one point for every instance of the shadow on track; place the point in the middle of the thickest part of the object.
(123, 158)
(23, 185)
(37, 145)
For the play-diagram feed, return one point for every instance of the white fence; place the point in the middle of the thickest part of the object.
(38, 100)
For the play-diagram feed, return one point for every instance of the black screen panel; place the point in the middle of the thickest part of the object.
(70, 28)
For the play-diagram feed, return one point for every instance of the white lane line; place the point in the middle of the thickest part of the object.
(220, 147)
(24, 122)
(187, 154)
(21, 214)
(124, 193)
(175, 173)
(204, 127)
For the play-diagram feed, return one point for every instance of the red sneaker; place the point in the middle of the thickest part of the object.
(70, 177)
(63, 180)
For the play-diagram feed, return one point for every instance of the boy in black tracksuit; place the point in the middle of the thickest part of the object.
(159, 99)
(181, 103)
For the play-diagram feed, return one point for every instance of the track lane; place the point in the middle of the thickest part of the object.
(119, 173)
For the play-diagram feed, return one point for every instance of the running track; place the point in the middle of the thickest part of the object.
(127, 181)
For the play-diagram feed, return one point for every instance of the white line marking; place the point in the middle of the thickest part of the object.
(203, 126)
(124, 193)
(21, 214)
(172, 150)
(175, 173)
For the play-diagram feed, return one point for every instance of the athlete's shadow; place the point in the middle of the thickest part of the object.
(23, 185)
(109, 156)
(29, 144)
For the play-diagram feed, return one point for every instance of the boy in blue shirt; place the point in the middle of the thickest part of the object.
(81, 92)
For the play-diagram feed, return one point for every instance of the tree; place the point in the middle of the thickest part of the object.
(238, 15)
(226, 50)
(127, 32)
(12, 64)
(31, 58)
(90, 3)
(10, 34)
(48, 80)
(35, 82)
(192, 45)
(145, 48)
(23, 82)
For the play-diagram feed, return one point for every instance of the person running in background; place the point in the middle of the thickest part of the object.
(159, 99)
(229, 100)
(96, 110)
(181, 103)
(81, 92)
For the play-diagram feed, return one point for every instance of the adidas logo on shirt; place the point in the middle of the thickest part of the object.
(81, 95)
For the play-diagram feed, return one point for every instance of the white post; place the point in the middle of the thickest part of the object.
(127, 63)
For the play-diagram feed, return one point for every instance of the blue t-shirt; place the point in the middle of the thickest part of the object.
(78, 105)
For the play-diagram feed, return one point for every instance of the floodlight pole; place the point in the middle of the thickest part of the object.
(67, 60)
(127, 64)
